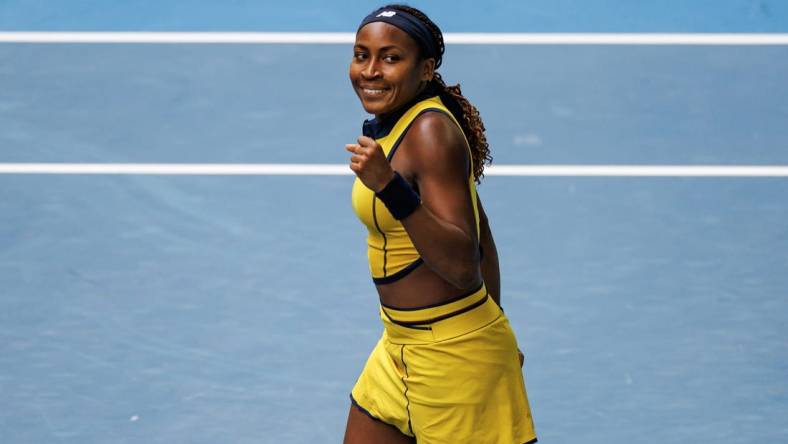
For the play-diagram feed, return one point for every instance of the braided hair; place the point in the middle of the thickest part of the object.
(460, 107)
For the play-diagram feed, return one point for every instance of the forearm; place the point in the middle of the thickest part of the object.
(449, 251)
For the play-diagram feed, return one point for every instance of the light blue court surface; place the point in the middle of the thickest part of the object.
(161, 309)
(344, 15)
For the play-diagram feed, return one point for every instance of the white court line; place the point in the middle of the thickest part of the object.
(465, 38)
(268, 169)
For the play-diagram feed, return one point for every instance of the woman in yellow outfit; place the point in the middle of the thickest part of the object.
(446, 369)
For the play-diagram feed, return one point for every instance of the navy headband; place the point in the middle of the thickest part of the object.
(411, 25)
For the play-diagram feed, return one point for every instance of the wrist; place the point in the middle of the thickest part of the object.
(385, 183)
(399, 197)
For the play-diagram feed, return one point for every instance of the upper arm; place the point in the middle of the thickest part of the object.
(438, 162)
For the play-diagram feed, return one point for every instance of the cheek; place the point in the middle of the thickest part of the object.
(410, 82)
(406, 80)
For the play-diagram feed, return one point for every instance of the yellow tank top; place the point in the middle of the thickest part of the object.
(391, 253)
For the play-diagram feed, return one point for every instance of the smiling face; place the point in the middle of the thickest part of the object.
(387, 71)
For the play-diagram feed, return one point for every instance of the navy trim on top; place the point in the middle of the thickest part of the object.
(405, 131)
(382, 233)
(398, 275)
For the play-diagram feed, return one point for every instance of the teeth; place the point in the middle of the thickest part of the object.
(373, 91)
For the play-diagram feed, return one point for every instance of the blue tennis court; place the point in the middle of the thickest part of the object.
(205, 309)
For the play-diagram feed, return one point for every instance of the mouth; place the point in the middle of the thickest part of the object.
(373, 91)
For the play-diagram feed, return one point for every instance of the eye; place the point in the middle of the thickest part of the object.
(359, 56)
(391, 58)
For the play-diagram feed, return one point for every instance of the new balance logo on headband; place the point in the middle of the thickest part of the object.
(387, 14)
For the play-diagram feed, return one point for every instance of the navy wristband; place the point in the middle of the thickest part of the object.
(399, 197)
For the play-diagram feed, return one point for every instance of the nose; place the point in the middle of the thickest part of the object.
(372, 69)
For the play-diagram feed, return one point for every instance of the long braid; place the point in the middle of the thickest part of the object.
(460, 107)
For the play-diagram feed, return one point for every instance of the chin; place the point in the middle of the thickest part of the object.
(376, 105)
(374, 108)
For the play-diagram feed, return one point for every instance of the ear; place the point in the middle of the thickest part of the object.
(428, 69)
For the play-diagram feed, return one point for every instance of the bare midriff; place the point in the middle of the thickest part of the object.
(421, 287)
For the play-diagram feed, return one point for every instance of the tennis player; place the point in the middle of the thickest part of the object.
(447, 368)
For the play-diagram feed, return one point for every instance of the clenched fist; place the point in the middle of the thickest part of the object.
(369, 163)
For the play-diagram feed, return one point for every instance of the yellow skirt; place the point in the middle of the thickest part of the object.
(448, 374)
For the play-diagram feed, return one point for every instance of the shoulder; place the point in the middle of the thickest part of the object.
(434, 137)
(435, 124)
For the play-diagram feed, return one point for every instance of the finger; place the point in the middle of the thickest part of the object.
(352, 147)
(360, 150)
